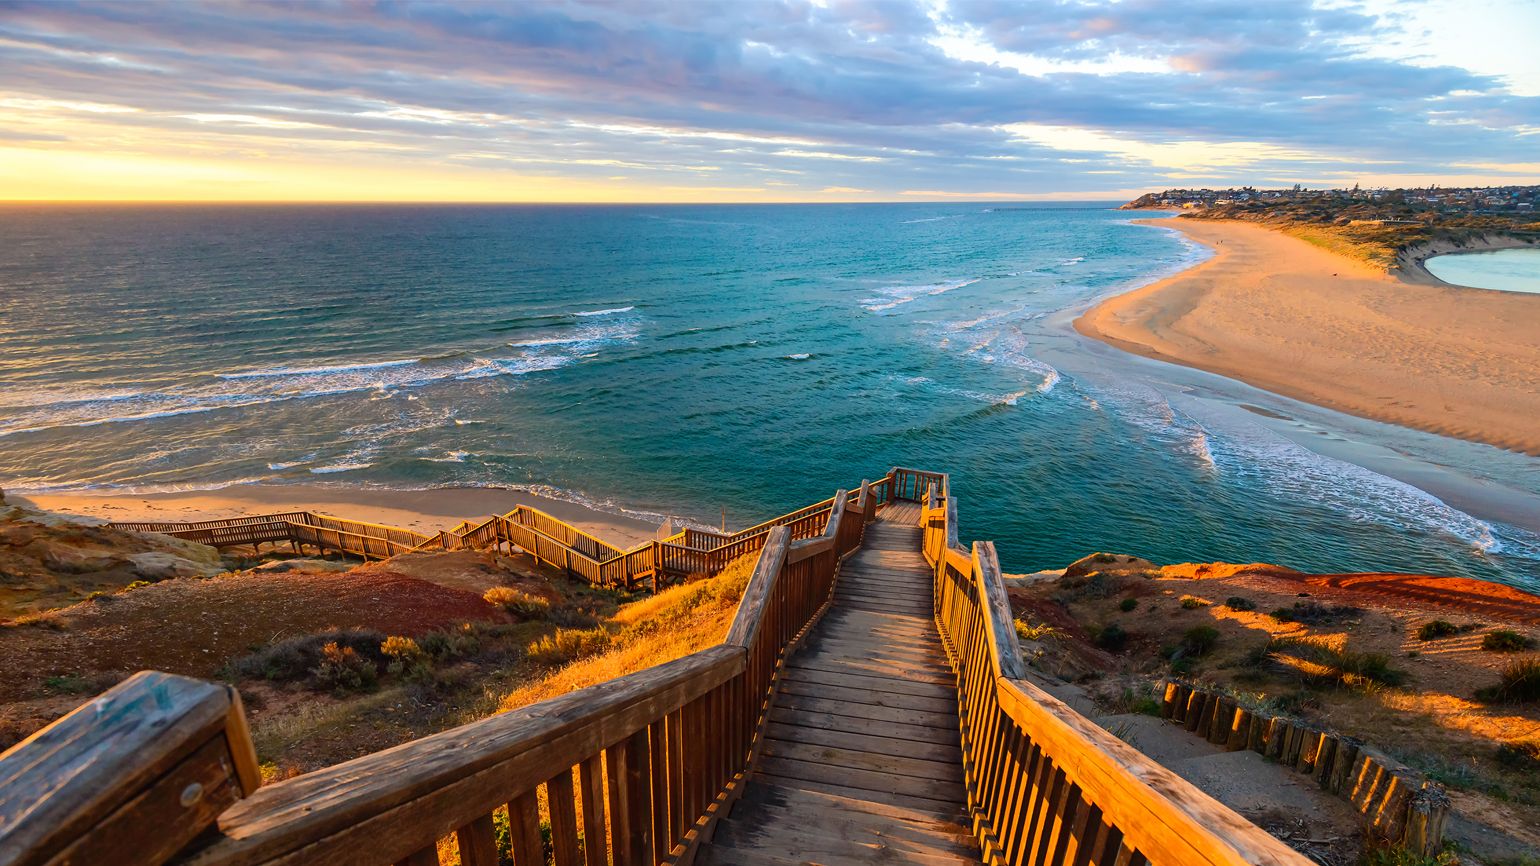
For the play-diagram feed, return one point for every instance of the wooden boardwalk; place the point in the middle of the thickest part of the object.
(861, 761)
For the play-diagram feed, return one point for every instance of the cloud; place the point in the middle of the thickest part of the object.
(884, 98)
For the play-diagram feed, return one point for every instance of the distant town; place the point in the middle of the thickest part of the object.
(1420, 204)
(1375, 224)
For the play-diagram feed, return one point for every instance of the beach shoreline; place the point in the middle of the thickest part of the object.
(421, 510)
(1282, 315)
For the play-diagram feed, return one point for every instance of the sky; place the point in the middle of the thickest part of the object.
(760, 100)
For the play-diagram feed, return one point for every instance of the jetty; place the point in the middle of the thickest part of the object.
(869, 704)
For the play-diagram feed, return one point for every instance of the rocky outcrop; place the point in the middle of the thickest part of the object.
(50, 560)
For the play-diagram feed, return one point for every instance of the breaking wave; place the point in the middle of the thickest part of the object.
(894, 296)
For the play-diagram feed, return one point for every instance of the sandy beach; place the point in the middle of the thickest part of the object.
(423, 510)
(1280, 314)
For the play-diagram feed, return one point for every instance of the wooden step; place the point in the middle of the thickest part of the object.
(822, 844)
(860, 759)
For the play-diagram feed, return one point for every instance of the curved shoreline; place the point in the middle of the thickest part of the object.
(1411, 263)
(1280, 314)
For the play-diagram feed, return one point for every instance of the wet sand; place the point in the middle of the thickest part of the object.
(1280, 314)
(422, 510)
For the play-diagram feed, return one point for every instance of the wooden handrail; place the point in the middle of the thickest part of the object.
(655, 755)
(1045, 784)
(692, 721)
(633, 771)
(136, 772)
(550, 539)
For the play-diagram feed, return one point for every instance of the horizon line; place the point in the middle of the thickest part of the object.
(198, 201)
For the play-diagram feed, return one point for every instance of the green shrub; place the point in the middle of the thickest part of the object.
(447, 645)
(1098, 585)
(1236, 602)
(1505, 640)
(405, 655)
(137, 584)
(1327, 665)
(1436, 629)
(1315, 613)
(1192, 602)
(294, 659)
(343, 670)
(1128, 604)
(569, 644)
(517, 602)
(1112, 638)
(1519, 682)
(1198, 640)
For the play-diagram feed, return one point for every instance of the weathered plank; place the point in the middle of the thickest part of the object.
(169, 750)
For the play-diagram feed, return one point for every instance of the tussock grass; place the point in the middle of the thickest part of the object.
(657, 629)
(1323, 663)
(1506, 640)
(1519, 683)
(517, 602)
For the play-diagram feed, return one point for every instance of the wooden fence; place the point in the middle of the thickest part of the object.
(1399, 804)
(1045, 784)
(323, 531)
(685, 555)
(632, 771)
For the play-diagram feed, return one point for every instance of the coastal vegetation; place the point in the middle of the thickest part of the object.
(1371, 225)
(1378, 659)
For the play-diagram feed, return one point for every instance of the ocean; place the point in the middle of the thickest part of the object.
(688, 359)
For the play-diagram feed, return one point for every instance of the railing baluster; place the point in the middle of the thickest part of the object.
(477, 842)
(657, 764)
(595, 836)
(524, 830)
(563, 810)
(638, 799)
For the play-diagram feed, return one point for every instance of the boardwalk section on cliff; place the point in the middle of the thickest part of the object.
(861, 760)
(868, 704)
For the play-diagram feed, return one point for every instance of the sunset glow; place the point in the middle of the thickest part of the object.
(785, 101)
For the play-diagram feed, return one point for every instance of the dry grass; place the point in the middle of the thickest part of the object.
(1334, 240)
(1351, 661)
(657, 629)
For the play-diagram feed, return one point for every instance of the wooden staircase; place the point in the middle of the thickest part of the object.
(869, 687)
(861, 760)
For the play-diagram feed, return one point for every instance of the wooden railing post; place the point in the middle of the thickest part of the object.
(129, 777)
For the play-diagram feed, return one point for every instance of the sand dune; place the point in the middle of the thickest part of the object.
(1275, 312)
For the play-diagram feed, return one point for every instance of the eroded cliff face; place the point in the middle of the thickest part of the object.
(51, 560)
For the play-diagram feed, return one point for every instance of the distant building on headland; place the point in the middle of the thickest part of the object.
(1396, 204)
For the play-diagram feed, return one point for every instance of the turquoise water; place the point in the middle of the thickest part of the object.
(1507, 270)
(688, 359)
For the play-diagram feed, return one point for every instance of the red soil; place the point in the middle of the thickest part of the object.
(193, 627)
